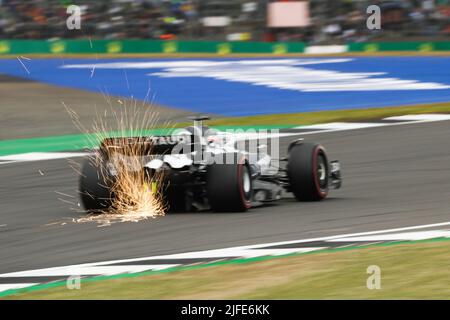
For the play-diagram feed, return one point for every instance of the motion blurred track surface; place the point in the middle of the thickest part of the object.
(393, 177)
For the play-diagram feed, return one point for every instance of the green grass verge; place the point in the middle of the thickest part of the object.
(64, 143)
(409, 270)
(272, 121)
(297, 119)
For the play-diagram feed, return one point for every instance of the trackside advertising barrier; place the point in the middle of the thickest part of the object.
(23, 47)
(399, 46)
(16, 47)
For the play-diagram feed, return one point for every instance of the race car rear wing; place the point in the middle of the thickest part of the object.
(138, 146)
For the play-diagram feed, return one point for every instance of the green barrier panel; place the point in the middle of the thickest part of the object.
(442, 46)
(18, 47)
(23, 47)
(399, 46)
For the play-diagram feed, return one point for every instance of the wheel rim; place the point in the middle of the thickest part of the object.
(246, 183)
(322, 172)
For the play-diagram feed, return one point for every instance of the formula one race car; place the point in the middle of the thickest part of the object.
(205, 169)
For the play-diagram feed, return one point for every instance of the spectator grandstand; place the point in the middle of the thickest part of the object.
(332, 21)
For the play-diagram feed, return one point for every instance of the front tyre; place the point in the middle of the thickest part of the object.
(229, 186)
(308, 172)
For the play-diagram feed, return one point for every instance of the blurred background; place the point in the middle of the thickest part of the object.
(307, 68)
(317, 22)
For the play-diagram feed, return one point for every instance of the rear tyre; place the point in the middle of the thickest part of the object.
(308, 172)
(94, 191)
(175, 199)
(229, 186)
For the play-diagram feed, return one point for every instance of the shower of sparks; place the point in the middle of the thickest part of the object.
(96, 56)
(64, 194)
(134, 200)
(126, 78)
(23, 65)
(147, 94)
(66, 201)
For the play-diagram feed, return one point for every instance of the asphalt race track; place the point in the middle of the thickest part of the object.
(393, 177)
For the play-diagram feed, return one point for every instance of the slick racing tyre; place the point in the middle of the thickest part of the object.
(175, 199)
(229, 186)
(94, 192)
(308, 171)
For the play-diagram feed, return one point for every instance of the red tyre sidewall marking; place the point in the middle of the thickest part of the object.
(317, 150)
(247, 204)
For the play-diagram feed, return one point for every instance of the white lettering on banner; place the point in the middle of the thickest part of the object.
(374, 20)
(374, 280)
(73, 22)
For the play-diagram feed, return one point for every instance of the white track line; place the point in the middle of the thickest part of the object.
(318, 128)
(6, 162)
(425, 226)
(397, 234)
(87, 270)
(421, 117)
(345, 126)
(411, 236)
(39, 156)
(11, 286)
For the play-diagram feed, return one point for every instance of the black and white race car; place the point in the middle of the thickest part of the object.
(205, 169)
